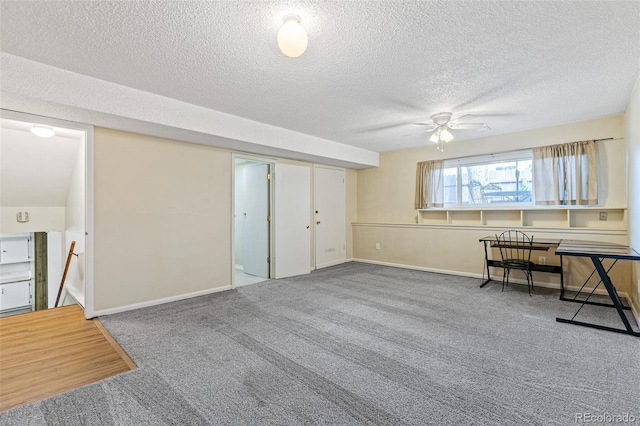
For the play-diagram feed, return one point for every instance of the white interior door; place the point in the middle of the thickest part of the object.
(255, 232)
(292, 220)
(330, 216)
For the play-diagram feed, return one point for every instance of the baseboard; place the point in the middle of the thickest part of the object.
(334, 263)
(159, 301)
(419, 268)
(76, 295)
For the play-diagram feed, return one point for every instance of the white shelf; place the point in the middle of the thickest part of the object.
(12, 278)
(578, 217)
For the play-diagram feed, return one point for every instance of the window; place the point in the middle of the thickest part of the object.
(495, 179)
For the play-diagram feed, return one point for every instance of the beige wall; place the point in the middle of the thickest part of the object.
(162, 218)
(386, 194)
(456, 250)
(632, 132)
(351, 188)
(386, 213)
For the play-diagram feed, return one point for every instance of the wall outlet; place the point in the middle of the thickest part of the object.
(542, 260)
(377, 246)
(603, 215)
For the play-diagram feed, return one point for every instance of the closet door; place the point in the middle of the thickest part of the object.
(330, 216)
(292, 220)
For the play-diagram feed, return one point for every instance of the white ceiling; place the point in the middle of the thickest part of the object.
(372, 68)
(36, 171)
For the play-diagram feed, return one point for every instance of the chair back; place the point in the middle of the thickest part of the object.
(515, 247)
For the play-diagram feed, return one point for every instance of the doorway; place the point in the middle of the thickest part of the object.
(252, 221)
(45, 199)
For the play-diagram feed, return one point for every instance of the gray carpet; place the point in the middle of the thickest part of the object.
(358, 344)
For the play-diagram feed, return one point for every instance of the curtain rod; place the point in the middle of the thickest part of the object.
(517, 150)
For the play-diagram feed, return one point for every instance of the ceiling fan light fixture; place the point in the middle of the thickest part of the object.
(435, 137)
(42, 131)
(446, 135)
(292, 37)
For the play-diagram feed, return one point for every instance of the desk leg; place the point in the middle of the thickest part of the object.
(486, 264)
(561, 280)
(613, 294)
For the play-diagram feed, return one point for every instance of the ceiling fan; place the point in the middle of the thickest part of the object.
(442, 124)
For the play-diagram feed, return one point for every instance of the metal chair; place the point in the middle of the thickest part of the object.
(515, 251)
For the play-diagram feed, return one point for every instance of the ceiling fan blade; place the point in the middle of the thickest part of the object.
(468, 126)
(430, 127)
(466, 116)
(417, 133)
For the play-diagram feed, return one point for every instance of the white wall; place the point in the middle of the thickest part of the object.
(75, 227)
(239, 217)
(632, 132)
(41, 219)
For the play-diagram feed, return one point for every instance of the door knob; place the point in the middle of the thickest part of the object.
(318, 222)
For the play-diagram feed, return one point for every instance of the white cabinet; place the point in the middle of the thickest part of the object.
(15, 249)
(16, 295)
(16, 272)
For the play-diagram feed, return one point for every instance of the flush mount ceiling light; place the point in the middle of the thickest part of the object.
(292, 38)
(42, 131)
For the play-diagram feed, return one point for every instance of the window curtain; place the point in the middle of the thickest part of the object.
(430, 184)
(565, 174)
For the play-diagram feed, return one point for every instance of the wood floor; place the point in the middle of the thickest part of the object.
(47, 352)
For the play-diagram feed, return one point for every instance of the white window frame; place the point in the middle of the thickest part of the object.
(458, 163)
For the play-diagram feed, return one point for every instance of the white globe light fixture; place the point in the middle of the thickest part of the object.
(292, 38)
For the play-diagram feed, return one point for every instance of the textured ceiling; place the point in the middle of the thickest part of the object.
(372, 68)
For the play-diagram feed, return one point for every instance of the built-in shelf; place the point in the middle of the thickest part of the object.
(544, 217)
